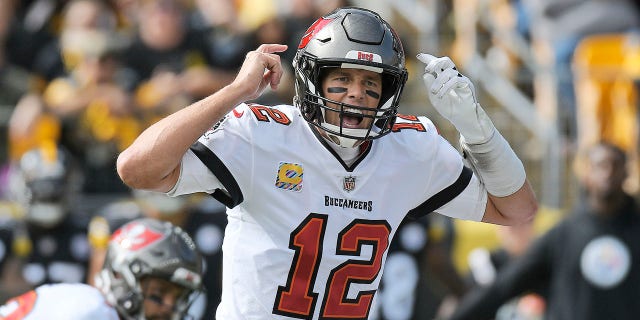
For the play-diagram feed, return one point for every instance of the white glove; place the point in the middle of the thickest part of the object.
(454, 97)
(488, 153)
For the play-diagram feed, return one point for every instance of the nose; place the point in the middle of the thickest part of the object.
(356, 90)
(170, 301)
(608, 170)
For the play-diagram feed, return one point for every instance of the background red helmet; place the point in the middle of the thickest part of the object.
(149, 248)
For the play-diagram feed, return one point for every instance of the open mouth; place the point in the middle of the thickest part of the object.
(352, 118)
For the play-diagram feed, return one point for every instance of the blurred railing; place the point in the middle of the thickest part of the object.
(423, 15)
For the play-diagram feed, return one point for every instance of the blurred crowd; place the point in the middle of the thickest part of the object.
(92, 75)
(80, 79)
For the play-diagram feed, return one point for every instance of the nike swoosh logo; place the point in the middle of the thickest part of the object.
(237, 114)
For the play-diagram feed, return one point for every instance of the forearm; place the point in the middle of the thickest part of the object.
(511, 198)
(515, 209)
(153, 160)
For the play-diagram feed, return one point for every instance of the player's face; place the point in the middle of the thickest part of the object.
(607, 172)
(160, 298)
(357, 87)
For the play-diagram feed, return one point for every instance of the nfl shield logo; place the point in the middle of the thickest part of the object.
(349, 183)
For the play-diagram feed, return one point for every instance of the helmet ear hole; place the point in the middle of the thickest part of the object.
(136, 268)
(130, 301)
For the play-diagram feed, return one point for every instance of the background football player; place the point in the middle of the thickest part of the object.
(152, 271)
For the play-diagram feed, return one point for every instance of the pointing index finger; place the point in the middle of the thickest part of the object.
(425, 57)
(272, 48)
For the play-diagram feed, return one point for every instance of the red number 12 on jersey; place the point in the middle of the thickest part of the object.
(297, 298)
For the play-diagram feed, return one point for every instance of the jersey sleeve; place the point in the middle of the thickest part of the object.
(205, 167)
(59, 301)
(194, 177)
(454, 190)
(470, 204)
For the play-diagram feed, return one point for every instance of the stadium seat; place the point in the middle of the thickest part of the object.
(605, 70)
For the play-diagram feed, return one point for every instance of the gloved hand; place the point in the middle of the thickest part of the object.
(454, 97)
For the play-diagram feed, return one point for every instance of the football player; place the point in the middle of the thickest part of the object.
(152, 271)
(201, 217)
(316, 191)
(48, 238)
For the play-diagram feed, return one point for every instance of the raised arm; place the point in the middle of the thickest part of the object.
(511, 198)
(152, 162)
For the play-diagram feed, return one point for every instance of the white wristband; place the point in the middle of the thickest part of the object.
(496, 165)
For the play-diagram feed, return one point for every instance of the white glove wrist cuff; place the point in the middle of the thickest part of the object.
(496, 165)
(476, 128)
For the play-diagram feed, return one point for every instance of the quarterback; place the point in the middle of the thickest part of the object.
(316, 190)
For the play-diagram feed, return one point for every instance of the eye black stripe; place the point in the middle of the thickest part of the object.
(372, 94)
(336, 89)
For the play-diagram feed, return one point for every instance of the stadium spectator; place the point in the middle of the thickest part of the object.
(93, 106)
(88, 15)
(86, 106)
(589, 263)
(225, 37)
(484, 264)
(171, 63)
(32, 26)
(15, 81)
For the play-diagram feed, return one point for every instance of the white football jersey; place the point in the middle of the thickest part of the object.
(308, 235)
(63, 301)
